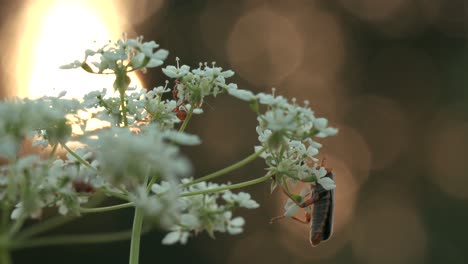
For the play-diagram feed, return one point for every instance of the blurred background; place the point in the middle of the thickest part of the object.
(390, 74)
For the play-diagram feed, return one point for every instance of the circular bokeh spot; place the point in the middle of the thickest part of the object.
(264, 47)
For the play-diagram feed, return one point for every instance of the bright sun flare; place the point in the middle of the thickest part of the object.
(57, 32)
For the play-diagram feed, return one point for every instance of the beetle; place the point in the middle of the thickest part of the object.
(321, 219)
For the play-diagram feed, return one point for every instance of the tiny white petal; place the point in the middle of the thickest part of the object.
(291, 208)
(234, 230)
(16, 213)
(227, 74)
(154, 63)
(238, 221)
(171, 238)
(197, 111)
(327, 183)
(321, 123)
(189, 220)
(245, 95)
(184, 237)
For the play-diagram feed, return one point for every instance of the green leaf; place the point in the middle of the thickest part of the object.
(254, 106)
(309, 179)
(122, 81)
(145, 62)
(296, 197)
(85, 66)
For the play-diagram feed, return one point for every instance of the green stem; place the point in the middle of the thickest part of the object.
(5, 217)
(136, 232)
(228, 169)
(229, 187)
(152, 181)
(73, 239)
(187, 119)
(17, 225)
(54, 149)
(136, 236)
(124, 107)
(77, 157)
(5, 257)
(45, 226)
(106, 208)
(117, 195)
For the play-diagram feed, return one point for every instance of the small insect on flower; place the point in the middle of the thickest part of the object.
(321, 218)
(83, 187)
(180, 113)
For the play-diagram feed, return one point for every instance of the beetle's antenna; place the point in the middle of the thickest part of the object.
(322, 164)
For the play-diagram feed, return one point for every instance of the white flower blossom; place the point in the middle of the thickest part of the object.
(234, 225)
(160, 90)
(245, 95)
(326, 182)
(179, 235)
(175, 72)
(125, 53)
(181, 138)
(124, 156)
(321, 125)
(240, 199)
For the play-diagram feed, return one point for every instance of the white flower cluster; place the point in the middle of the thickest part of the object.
(202, 212)
(128, 54)
(287, 130)
(32, 184)
(45, 118)
(114, 159)
(142, 108)
(127, 158)
(193, 86)
(161, 205)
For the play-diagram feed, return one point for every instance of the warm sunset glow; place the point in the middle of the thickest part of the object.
(56, 33)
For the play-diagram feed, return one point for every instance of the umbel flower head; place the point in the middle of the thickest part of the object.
(287, 132)
(205, 212)
(124, 55)
(45, 118)
(125, 157)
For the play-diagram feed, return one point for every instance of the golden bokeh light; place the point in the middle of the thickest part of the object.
(325, 43)
(137, 11)
(352, 149)
(56, 33)
(446, 152)
(264, 47)
(323, 95)
(325, 39)
(388, 229)
(384, 126)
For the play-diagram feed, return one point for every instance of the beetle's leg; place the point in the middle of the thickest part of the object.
(306, 221)
(274, 219)
(322, 164)
(313, 198)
